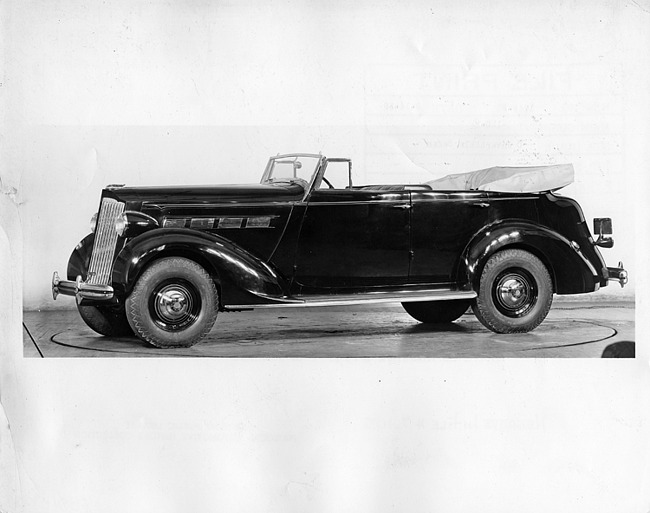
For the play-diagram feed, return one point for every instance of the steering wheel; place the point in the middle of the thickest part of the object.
(328, 183)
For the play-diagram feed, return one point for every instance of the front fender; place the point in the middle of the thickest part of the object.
(79, 260)
(234, 267)
(570, 271)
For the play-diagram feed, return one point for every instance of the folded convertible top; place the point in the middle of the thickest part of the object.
(508, 179)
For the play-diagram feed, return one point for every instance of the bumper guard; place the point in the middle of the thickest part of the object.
(80, 289)
(618, 274)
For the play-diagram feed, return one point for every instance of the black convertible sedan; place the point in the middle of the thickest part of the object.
(162, 262)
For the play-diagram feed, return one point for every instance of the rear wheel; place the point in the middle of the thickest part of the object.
(173, 304)
(437, 312)
(109, 321)
(515, 292)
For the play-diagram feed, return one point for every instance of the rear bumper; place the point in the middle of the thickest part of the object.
(618, 274)
(80, 289)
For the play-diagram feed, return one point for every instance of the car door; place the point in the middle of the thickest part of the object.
(353, 239)
(442, 224)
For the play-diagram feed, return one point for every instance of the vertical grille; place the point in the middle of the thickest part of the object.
(101, 261)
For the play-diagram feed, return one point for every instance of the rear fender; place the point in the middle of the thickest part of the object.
(570, 271)
(234, 268)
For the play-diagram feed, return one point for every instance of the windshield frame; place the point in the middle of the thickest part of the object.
(317, 170)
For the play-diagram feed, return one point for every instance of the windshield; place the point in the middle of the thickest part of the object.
(291, 169)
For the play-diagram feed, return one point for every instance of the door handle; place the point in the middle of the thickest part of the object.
(403, 206)
(482, 204)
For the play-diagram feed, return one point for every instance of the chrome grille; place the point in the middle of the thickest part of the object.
(101, 261)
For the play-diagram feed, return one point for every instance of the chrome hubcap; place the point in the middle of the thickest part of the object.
(515, 293)
(172, 302)
(175, 306)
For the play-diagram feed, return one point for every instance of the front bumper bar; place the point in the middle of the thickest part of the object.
(617, 274)
(80, 289)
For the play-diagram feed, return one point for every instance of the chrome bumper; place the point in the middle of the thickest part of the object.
(80, 289)
(617, 274)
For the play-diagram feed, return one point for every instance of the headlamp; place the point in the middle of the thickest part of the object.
(120, 224)
(93, 222)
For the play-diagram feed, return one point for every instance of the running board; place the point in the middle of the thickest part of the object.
(365, 298)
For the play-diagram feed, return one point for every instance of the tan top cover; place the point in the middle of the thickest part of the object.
(508, 179)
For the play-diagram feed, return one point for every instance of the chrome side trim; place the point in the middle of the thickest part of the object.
(224, 222)
(401, 200)
(224, 204)
(202, 222)
(469, 199)
(174, 222)
(370, 298)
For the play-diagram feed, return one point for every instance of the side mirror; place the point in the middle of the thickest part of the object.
(603, 228)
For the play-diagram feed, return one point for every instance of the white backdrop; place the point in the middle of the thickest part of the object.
(164, 92)
(204, 92)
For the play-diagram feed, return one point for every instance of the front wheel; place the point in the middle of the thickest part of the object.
(173, 304)
(436, 312)
(106, 320)
(515, 292)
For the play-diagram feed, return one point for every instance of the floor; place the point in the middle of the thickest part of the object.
(573, 329)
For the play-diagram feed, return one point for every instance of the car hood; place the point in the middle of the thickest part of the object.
(208, 194)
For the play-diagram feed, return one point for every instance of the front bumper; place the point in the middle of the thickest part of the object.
(618, 274)
(80, 289)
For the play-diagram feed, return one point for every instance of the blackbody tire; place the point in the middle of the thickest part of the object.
(437, 312)
(106, 320)
(515, 292)
(173, 304)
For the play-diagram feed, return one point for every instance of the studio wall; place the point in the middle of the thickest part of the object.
(203, 92)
